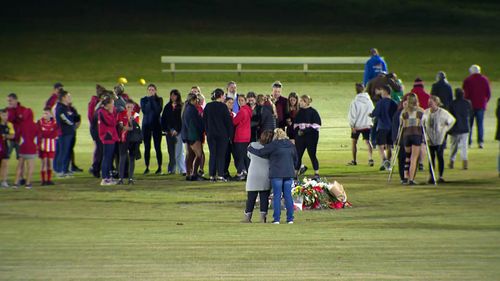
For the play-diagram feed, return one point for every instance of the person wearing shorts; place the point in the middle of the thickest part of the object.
(412, 134)
(47, 134)
(27, 149)
(384, 111)
(361, 122)
(6, 139)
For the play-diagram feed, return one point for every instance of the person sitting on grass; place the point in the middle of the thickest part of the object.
(6, 138)
(27, 149)
(412, 136)
(384, 110)
(437, 122)
(361, 122)
(283, 158)
(47, 134)
(258, 180)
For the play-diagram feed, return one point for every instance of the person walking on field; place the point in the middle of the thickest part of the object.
(374, 66)
(360, 122)
(171, 123)
(219, 128)
(151, 106)
(477, 90)
(461, 109)
(258, 180)
(384, 110)
(47, 134)
(412, 136)
(282, 160)
(437, 122)
(442, 89)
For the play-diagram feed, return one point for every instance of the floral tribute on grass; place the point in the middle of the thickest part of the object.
(310, 194)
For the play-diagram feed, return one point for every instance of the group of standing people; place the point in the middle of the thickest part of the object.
(418, 121)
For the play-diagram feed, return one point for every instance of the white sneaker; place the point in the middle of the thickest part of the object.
(276, 222)
(290, 222)
(105, 182)
(5, 184)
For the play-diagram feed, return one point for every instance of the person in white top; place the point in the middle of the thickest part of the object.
(437, 122)
(360, 122)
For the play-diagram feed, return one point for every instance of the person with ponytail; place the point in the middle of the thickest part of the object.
(307, 125)
(108, 136)
(412, 136)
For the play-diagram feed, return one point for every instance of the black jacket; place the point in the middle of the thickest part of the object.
(192, 124)
(282, 157)
(306, 120)
(151, 109)
(171, 118)
(217, 120)
(461, 109)
(442, 89)
(497, 136)
(267, 120)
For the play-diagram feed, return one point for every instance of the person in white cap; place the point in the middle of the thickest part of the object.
(477, 89)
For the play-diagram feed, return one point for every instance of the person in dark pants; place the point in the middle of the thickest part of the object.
(258, 183)
(66, 121)
(442, 89)
(151, 106)
(93, 105)
(78, 121)
(256, 113)
(128, 120)
(281, 105)
(282, 160)
(109, 137)
(242, 133)
(171, 123)
(293, 108)
(307, 125)
(219, 127)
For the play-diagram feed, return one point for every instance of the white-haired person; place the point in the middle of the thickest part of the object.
(437, 122)
(282, 159)
(477, 89)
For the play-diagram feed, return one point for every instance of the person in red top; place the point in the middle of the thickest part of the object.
(109, 136)
(477, 90)
(128, 148)
(423, 96)
(242, 134)
(15, 115)
(46, 142)
(52, 101)
(27, 149)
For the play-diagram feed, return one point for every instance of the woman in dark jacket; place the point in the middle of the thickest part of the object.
(282, 159)
(151, 106)
(293, 108)
(307, 124)
(192, 135)
(267, 117)
(171, 123)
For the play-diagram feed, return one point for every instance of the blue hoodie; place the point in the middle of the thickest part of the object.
(373, 67)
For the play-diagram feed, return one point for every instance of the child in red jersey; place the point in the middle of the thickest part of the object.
(47, 134)
(27, 149)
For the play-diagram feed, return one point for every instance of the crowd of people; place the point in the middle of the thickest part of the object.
(266, 136)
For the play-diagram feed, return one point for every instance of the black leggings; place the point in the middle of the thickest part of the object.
(241, 160)
(308, 141)
(128, 152)
(264, 200)
(437, 150)
(147, 132)
(217, 147)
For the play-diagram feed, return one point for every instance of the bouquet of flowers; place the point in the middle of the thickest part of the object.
(311, 194)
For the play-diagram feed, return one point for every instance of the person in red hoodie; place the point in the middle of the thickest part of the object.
(93, 105)
(46, 142)
(109, 137)
(422, 95)
(242, 134)
(15, 113)
(477, 90)
(27, 149)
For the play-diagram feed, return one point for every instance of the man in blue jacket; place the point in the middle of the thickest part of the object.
(374, 66)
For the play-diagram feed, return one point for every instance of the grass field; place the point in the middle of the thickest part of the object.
(166, 228)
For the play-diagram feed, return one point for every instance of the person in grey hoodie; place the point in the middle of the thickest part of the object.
(258, 180)
(361, 122)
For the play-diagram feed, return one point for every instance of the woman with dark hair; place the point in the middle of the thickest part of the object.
(282, 160)
(267, 116)
(192, 135)
(293, 108)
(258, 180)
(151, 106)
(108, 136)
(219, 127)
(242, 135)
(307, 124)
(229, 101)
(255, 121)
(171, 123)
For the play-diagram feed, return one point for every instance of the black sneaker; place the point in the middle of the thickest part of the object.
(410, 182)
(119, 182)
(420, 167)
(146, 171)
(221, 179)
(316, 177)
(404, 181)
(22, 182)
(352, 163)
(158, 172)
(49, 183)
(302, 170)
(441, 180)
(371, 163)
(131, 181)
(76, 169)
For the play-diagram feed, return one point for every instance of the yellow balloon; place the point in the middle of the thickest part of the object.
(142, 81)
(122, 80)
